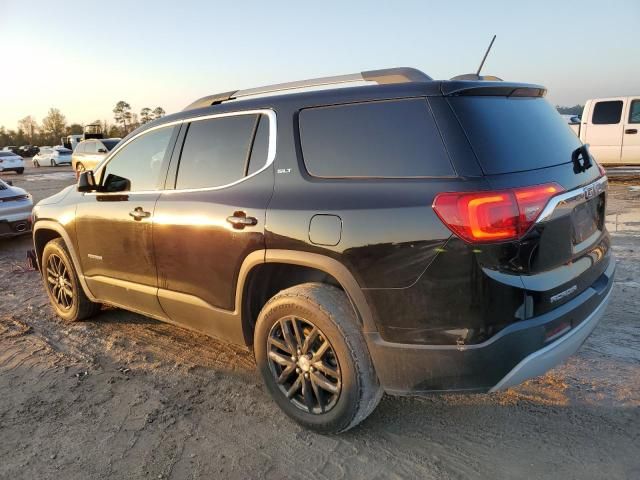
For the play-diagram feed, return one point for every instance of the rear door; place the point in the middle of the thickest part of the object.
(605, 130)
(212, 216)
(631, 137)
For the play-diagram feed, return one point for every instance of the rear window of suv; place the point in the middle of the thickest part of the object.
(514, 134)
(382, 139)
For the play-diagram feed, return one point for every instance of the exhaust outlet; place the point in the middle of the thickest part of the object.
(20, 227)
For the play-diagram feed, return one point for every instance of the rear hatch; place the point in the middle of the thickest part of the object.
(520, 141)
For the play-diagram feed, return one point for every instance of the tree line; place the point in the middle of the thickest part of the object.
(54, 126)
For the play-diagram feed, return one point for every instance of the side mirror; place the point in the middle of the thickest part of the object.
(102, 150)
(86, 182)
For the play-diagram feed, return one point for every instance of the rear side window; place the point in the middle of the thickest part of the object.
(514, 134)
(216, 151)
(607, 113)
(634, 112)
(390, 139)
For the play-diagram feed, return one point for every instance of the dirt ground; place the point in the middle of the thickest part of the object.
(123, 396)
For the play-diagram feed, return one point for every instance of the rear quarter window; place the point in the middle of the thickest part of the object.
(385, 139)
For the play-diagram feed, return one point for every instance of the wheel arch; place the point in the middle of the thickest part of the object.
(307, 267)
(46, 230)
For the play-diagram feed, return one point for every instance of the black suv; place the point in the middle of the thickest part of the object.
(408, 235)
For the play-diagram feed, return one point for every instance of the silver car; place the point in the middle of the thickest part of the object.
(15, 210)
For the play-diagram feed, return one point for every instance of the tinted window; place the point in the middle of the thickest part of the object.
(140, 161)
(6, 154)
(514, 134)
(109, 144)
(607, 112)
(260, 149)
(215, 151)
(634, 112)
(375, 139)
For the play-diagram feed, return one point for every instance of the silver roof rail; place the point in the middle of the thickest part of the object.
(381, 77)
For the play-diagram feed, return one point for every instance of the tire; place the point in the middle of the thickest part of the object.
(20, 171)
(326, 310)
(79, 168)
(72, 304)
(53, 163)
(36, 164)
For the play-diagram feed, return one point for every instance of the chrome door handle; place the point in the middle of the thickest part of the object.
(138, 213)
(239, 220)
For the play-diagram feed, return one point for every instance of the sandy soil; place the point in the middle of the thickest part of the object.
(124, 396)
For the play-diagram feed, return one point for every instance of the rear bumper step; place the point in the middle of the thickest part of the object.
(555, 353)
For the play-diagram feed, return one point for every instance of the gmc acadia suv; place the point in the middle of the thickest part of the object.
(405, 235)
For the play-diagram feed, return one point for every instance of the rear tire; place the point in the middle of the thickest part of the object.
(36, 164)
(62, 285)
(314, 360)
(53, 163)
(20, 171)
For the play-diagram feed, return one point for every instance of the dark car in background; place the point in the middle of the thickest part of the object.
(27, 151)
(413, 236)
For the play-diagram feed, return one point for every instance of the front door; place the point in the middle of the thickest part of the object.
(215, 217)
(114, 225)
(604, 131)
(631, 137)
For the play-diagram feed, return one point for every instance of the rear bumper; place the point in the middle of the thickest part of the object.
(519, 352)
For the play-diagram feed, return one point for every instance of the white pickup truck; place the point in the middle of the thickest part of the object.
(611, 128)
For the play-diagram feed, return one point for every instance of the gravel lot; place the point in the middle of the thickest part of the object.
(124, 396)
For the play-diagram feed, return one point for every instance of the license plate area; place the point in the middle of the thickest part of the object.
(587, 219)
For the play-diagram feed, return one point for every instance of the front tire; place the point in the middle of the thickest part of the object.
(62, 285)
(20, 171)
(53, 163)
(314, 360)
(36, 164)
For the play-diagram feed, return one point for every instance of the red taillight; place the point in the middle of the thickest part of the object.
(603, 172)
(493, 216)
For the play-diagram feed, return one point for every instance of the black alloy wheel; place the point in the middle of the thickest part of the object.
(304, 365)
(59, 282)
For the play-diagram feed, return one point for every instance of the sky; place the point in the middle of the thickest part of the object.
(84, 56)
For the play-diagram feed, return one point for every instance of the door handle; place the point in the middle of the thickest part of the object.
(631, 131)
(138, 213)
(239, 220)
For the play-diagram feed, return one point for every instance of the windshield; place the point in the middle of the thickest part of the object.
(515, 134)
(109, 144)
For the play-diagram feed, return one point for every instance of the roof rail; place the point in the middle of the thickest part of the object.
(381, 77)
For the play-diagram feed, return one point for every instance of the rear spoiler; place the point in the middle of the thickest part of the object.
(494, 89)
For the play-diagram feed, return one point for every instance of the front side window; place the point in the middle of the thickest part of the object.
(138, 164)
(216, 151)
(607, 113)
(634, 112)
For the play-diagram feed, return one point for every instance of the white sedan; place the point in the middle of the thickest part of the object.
(10, 162)
(55, 156)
